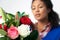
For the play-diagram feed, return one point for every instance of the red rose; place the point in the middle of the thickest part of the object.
(5, 27)
(25, 20)
(0, 26)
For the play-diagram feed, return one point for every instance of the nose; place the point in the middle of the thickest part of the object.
(37, 9)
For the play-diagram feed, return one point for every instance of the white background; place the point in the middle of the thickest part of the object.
(12, 6)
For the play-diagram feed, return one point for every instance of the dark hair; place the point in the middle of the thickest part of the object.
(52, 15)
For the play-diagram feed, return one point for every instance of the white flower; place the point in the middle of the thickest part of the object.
(24, 30)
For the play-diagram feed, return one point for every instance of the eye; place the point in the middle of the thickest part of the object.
(33, 8)
(40, 6)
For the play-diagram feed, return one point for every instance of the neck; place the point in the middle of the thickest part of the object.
(41, 24)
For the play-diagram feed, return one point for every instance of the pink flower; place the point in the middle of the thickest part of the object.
(13, 32)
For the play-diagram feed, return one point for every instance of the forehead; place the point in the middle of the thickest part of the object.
(37, 2)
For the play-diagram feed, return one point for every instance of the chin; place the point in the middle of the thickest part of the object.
(39, 19)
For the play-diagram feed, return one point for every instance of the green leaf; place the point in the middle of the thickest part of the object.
(19, 14)
(2, 12)
(9, 22)
(2, 32)
(23, 13)
(5, 38)
(10, 16)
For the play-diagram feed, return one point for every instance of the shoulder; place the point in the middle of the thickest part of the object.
(56, 31)
(53, 34)
(56, 28)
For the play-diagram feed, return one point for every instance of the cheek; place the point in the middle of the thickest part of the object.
(33, 12)
(43, 12)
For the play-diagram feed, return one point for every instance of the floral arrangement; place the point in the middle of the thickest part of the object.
(14, 26)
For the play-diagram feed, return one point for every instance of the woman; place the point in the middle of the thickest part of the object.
(48, 20)
(47, 27)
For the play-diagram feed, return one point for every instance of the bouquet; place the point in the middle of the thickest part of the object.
(16, 26)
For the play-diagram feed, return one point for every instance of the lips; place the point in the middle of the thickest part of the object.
(37, 15)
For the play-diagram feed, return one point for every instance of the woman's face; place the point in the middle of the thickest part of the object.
(39, 10)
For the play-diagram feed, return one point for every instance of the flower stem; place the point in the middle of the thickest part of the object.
(21, 38)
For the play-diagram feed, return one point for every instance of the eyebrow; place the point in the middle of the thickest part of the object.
(38, 5)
